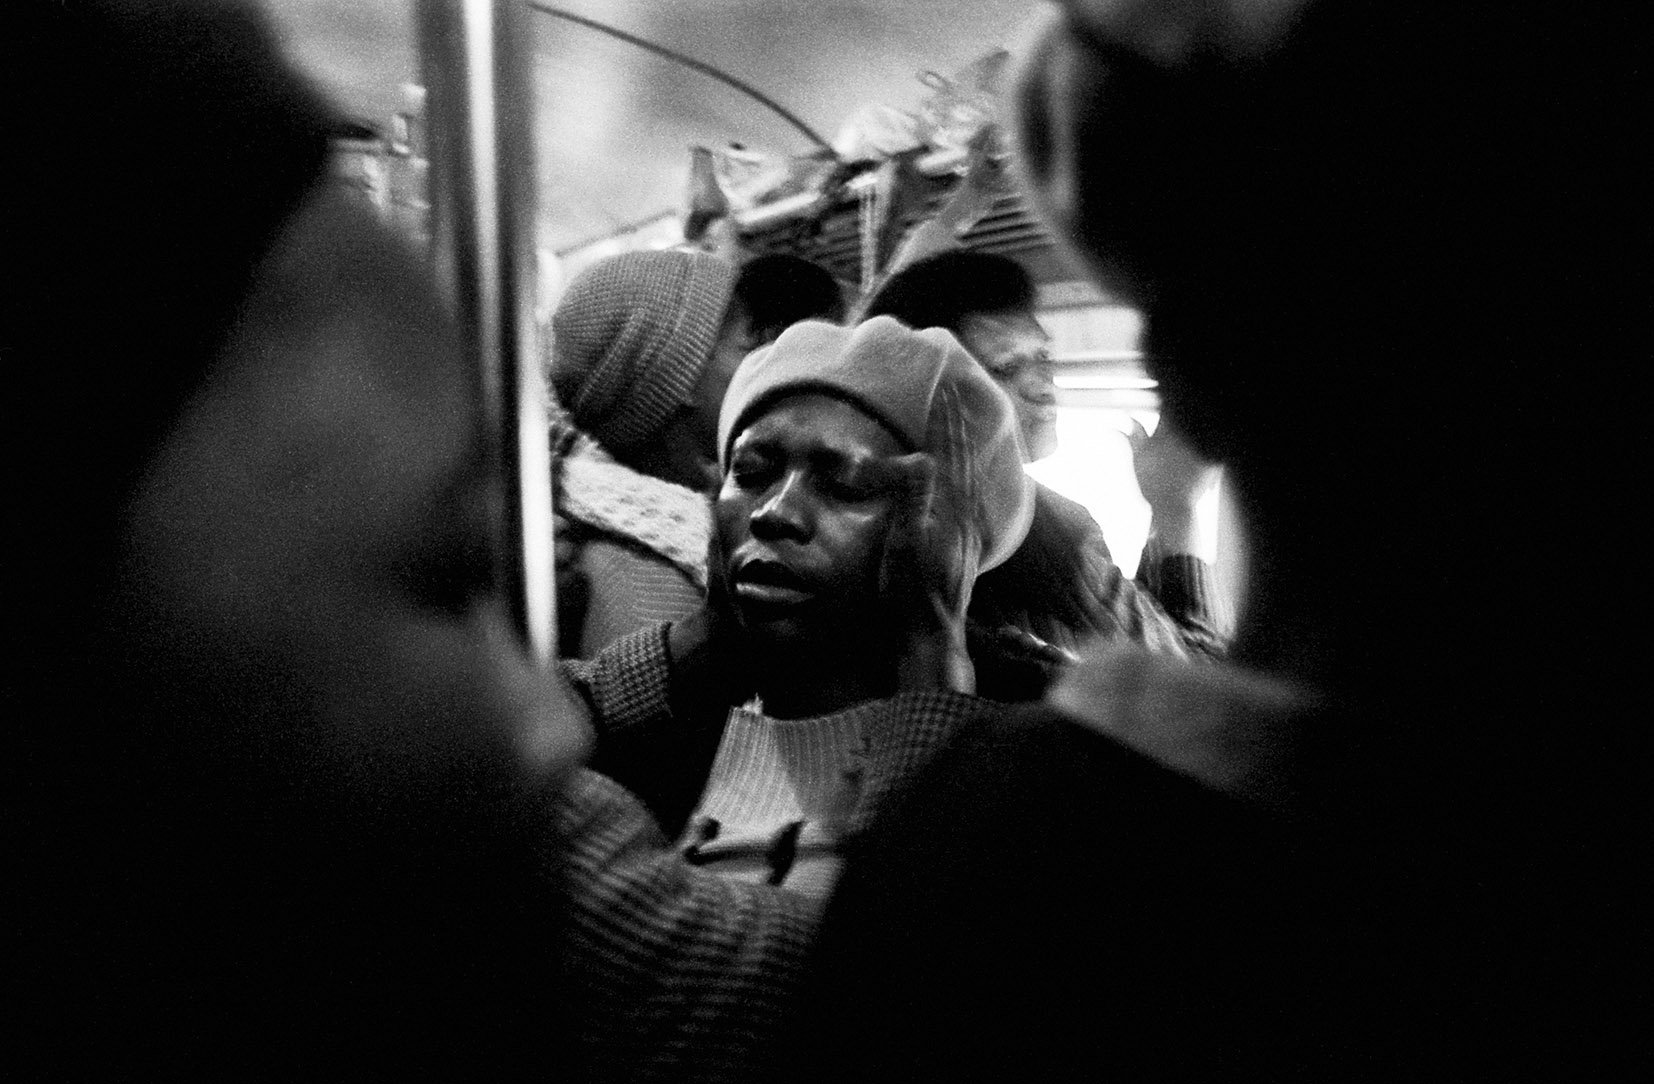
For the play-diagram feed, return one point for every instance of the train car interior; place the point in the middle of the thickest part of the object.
(829, 131)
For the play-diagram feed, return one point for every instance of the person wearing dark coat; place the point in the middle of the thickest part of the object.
(278, 770)
(1389, 839)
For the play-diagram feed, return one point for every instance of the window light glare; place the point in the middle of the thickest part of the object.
(1096, 382)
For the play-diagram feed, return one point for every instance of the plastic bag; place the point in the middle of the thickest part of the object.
(876, 132)
(751, 178)
(964, 103)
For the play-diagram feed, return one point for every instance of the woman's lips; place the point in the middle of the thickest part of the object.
(770, 583)
(770, 594)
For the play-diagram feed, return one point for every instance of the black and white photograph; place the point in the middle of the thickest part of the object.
(824, 540)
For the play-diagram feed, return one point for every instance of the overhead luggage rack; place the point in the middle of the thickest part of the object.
(834, 238)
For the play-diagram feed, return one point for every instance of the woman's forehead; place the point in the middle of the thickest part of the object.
(811, 419)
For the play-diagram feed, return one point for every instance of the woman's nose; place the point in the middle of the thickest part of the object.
(784, 512)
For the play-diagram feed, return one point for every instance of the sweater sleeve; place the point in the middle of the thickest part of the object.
(626, 686)
(1063, 586)
(660, 755)
(1126, 610)
(1168, 610)
(679, 974)
(1182, 586)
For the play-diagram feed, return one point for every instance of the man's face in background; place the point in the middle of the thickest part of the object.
(1016, 351)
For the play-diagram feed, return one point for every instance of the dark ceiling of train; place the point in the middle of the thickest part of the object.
(617, 121)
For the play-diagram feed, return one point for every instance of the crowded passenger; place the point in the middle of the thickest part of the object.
(643, 345)
(1062, 585)
(278, 768)
(807, 633)
(288, 798)
(766, 731)
(1382, 844)
(283, 776)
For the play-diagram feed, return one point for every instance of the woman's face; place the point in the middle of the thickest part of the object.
(801, 521)
(1016, 351)
(310, 553)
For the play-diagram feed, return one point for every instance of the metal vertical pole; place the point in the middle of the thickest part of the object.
(476, 58)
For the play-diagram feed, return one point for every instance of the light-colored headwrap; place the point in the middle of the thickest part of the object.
(921, 384)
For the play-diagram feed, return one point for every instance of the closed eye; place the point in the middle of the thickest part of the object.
(754, 472)
(852, 482)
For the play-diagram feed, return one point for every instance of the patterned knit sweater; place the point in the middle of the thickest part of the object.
(782, 797)
(639, 544)
(679, 974)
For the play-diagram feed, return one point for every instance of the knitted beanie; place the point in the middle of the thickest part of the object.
(925, 387)
(631, 337)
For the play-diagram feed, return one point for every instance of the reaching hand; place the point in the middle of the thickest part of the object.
(932, 554)
(1173, 479)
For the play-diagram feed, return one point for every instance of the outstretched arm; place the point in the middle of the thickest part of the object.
(1173, 479)
(1176, 564)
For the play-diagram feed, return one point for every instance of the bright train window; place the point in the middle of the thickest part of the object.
(1102, 389)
